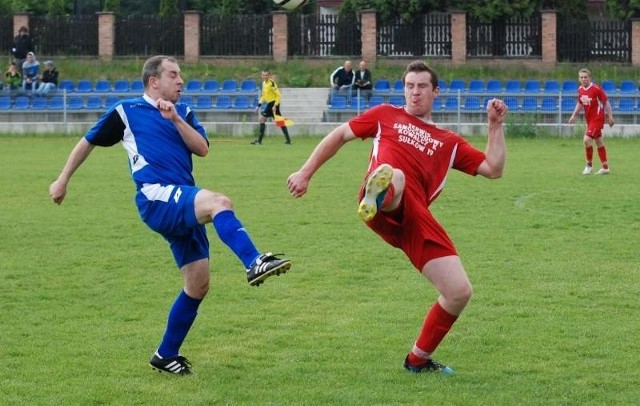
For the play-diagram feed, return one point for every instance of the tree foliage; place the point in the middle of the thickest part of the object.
(624, 9)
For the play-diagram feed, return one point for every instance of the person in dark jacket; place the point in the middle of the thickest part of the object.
(49, 79)
(22, 45)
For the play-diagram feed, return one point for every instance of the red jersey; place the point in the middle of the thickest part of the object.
(424, 152)
(593, 99)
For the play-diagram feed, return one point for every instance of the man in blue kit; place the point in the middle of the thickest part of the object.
(160, 135)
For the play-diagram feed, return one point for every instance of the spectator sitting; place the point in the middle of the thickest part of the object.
(363, 80)
(22, 45)
(12, 79)
(30, 71)
(49, 79)
(342, 78)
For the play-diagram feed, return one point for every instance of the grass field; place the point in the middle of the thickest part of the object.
(85, 287)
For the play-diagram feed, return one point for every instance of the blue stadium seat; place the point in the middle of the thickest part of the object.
(204, 102)
(94, 103)
(437, 104)
(5, 102)
(472, 103)
(512, 86)
(398, 86)
(193, 86)
(223, 102)
(549, 104)
(376, 100)
(442, 84)
(211, 85)
(529, 103)
(73, 103)
(84, 86)
(551, 86)
(56, 103)
(103, 86)
(532, 86)
(186, 99)
(136, 86)
(242, 102)
(570, 86)
(609, 86)
(511, 102)
(230, 86)
(21, 103)
(358, 103)
(66, 85)
(476, 86)
(457, 85)
(110, 101)
(451, 103)
(396, 100)
(338, 103)
(494, 86)
(121, 86)
(626, 105)
(382, 86)
(627, 86)
(248, 86)
(568, 104)
(39, 103)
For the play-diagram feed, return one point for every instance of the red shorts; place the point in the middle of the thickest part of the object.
(594, 129)
(413, 229)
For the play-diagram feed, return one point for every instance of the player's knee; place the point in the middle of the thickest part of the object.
(461, 295)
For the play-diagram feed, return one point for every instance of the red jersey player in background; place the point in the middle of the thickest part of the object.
(595, 102)
(408, 167)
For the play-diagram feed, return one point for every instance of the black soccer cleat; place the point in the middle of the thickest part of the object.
(265, 266)
(177, 365)
(429, 366)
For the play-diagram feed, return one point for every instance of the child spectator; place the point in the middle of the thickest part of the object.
(12, 79)
(30, 71)
(49, 79)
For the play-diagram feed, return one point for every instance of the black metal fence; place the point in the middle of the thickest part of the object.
(511, 38)
(584, 41)
(429, 35)
(149, 35)
(324, 35)
(249, 35)
(321, 35)
(65, 35)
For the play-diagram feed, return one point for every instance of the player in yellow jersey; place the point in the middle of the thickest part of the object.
(269, 106)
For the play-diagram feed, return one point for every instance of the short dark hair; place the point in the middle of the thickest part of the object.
(24, 29)
(420, 66)
(153, 67)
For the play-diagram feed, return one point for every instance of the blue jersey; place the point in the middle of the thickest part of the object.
(157, 153)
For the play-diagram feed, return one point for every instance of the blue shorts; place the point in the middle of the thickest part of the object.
(170, 211)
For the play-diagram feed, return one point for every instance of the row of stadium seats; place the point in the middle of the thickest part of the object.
(125, 86)
(474, 103)
(531, 86)
(240, 102)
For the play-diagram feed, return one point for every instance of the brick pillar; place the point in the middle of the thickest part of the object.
(280, 36)
(458, 37)
(549, 37)
(106, 35)
(19, 20)
(635, 41)
(368, 35)
(192, 36)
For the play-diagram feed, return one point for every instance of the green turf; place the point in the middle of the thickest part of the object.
(85, 287)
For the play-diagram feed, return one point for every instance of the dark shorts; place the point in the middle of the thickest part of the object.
(267, 109)
(170, 211)
(413, 229)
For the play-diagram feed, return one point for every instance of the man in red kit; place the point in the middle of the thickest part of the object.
(595, 102)
(408, 167)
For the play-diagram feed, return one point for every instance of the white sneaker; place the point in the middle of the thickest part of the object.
(587, 170)
(603, 171)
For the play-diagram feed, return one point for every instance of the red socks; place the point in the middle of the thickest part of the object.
(435, 327)
(602, 154)
(589, 153)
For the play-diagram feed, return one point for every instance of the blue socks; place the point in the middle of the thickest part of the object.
(233, 234)
(181, 317)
